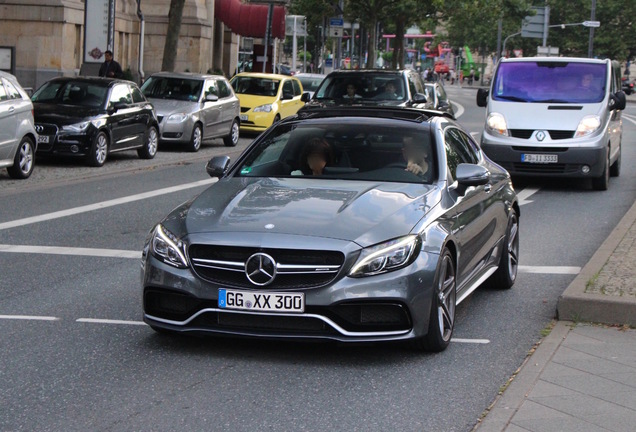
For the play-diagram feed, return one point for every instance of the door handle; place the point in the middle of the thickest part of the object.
(487, 188)
(11, 109)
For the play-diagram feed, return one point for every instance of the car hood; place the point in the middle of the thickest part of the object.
(363, 212)
(60, 114)
(169, 106)
(251, 101)
(548, 116)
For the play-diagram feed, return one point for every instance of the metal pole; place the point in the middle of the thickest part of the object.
(305, 44)
(270, 16)
(499, 30)
(506, 40)
(590, 48)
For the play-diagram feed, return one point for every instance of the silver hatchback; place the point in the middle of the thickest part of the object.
(18, 139)
(193, 107)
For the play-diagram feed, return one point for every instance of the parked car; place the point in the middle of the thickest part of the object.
(406, 89)
(556, 117)
(437, 96)
(18, 138)
(310, 81)
(266, 98)
(193, 107)
(92, 117)
(405, 221)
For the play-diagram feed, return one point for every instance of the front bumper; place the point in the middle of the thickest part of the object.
(572, 155)
(389, 307)
(177, 133)
(256, 121)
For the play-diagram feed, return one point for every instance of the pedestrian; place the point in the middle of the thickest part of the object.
(110, 68)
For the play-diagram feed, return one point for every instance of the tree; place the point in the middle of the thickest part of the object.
(172, 35)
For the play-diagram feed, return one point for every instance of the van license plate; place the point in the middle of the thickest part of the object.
(261, 301)
(539, 158)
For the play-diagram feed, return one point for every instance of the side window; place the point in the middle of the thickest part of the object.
(120, 93)
(288, 88)
(211, 88)
(12, 92)
(137, 96)
(3, 92)
(456, 150)
(415, 84)
(297, 91)
(224, 89)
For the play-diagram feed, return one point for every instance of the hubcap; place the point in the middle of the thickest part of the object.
(513, 249)
(446, 299)
(152, 141)
(102, 149)
(235, 133)
(196, 137)
(26, 158)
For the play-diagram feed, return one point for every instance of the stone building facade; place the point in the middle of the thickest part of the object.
(48, 37)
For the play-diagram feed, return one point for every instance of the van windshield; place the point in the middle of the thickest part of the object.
(550, 82)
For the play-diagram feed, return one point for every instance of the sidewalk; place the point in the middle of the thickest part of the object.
(582, 376)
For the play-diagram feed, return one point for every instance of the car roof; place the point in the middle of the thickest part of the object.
(554, 60)
(379, 112)
(369, 71)
(263, 75)
(186, 75)
(103, 81)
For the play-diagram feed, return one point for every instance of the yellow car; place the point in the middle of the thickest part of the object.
(266, 98)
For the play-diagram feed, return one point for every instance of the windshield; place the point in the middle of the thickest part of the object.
(182, 89)
(76, 93)
(309, 83)
(350, 151)
(550, 82)
(255, 86)
(376, 87)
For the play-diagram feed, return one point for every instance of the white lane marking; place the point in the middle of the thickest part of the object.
(103, 204)
(471, 341)
(109, 321)
(629, 118)
(60, 250)
(29, 317)
(526, 193)
(459, 111)
(550, 269)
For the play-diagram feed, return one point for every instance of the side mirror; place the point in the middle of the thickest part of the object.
(471, 175)
(618, 101)
(419, 98)
(217, 166)
(305, 97)
(119, 105)
(211, 98)
(482, 97)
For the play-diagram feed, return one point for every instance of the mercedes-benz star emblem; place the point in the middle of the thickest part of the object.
(540, 136)
(260, 269)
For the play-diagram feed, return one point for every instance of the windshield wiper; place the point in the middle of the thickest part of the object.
(552, 101)
(512, 98)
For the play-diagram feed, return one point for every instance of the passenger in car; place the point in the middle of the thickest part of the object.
(351, 92)
(415, 154)
(316, 155)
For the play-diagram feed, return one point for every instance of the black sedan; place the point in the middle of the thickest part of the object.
(92, 117)
(353, 225)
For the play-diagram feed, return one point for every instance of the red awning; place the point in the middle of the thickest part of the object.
(250, 20)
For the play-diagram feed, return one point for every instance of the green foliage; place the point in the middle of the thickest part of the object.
(301, 56)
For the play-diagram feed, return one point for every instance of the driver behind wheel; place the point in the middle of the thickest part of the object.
(415, 154)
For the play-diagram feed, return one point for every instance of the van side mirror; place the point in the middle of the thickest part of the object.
(618, 101)
(482, 97)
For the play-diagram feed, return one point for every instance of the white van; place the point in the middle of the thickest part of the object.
(555, 116)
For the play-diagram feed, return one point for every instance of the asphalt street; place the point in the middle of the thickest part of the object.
(76, 355)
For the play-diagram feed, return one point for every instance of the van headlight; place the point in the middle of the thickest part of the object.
(588, 125)
(387, 256)
(496, 124)
(168, 248)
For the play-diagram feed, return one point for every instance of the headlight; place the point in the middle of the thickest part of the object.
(264, 108)
(387, 256)
(77, 127)
(496, 123)
(588, 125)
(168, 248)
(177, 118)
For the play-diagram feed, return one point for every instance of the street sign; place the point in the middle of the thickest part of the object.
(335, 32)
(336, 22)
(591, 23)
(534, 26)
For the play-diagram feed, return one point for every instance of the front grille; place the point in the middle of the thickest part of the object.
(560, 134)
(526, 149)
(46, 129)
(521, 133)
(554, 134)
(548, 169)
(225, 265)
(172, 134)
(245, 109)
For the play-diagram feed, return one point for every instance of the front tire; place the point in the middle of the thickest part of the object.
(149, 150)
(197, 137)
(232, 139)
(602, 183)
(24, 160)
(615, 169)
(442, 318)
(506, 274)
(99, 150)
